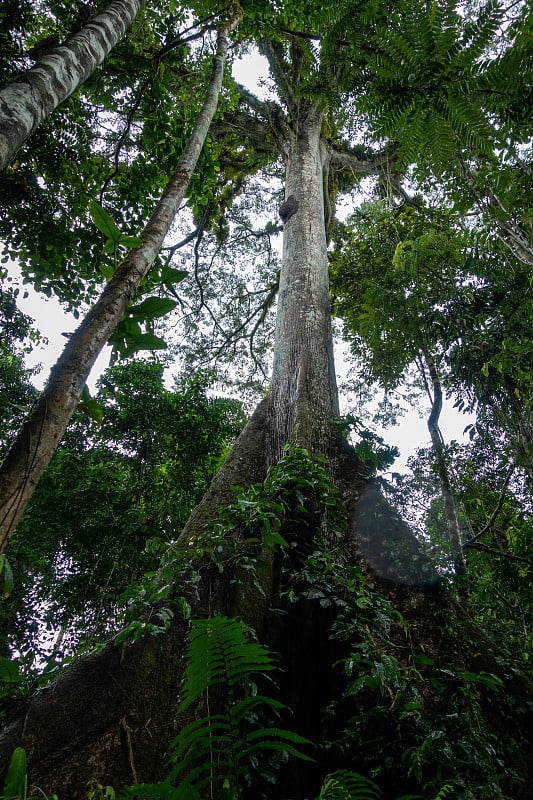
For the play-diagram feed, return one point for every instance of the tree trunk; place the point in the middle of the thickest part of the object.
(450, 507)
(121, 707)
(29, 99)
(32, 449)
(303, 392)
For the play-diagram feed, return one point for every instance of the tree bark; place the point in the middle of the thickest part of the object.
(29, 99)
(303, 391)
(32, 449)
(450, 508)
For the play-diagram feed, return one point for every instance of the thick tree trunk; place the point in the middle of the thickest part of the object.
(32, 449)
(303, 392)
(119, 738)
(29, 99)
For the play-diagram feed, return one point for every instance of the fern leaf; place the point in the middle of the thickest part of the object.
(346, 785)
(215, 748)
(219, 652)
(248, 705)
(154, 791)
(276, 739)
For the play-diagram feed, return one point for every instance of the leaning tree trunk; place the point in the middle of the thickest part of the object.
(35, 443)
(448, 497)
(30, 98)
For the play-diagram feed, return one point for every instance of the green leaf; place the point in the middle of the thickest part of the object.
(93, 409)
(152, 308)
(486, 678)
(147, 341)
(171, 276)
(272, 538)
(104, 222)
(130, 241)
(110, 247)
(421, 658)
(88, 405)
(106, 270)
(15, 785)
(6, 575)
(9, 671)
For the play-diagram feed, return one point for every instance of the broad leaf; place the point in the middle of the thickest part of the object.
(171, 276)
(9, 671)
(147, 341)
(104, 222)
(152, 308)
(15, 785)
(130, 241)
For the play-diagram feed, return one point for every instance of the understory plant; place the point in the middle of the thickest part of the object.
(403, 718)
(233, 728)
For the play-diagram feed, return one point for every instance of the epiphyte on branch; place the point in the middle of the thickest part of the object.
(288, 208)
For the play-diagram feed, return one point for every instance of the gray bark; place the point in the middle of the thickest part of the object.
(41, 432)
(29, 99)
(303, 390)
(450, 508)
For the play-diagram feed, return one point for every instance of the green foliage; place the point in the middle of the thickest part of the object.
(217, 750)
(371, 448)
(451, 89)
(114, 494)
(6, 576)
(398, 276)
(379, 723)
(17, 336)
(115, 238)
(11, 678)
(128, 337)
(16, 780)
(426, 80)
(236, 541)
(118, 138)
(346, 785)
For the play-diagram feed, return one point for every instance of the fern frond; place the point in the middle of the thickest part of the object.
(220, 747)
(244, 708)
(276, 739)
(481, 33)
(446, 792)
(346, 785)
(220, 653)
(154, 791)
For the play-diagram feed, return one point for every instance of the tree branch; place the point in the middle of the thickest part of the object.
(260, 106)
(360, 161)
(497, 509)
(274, 58)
